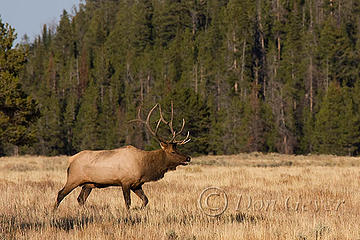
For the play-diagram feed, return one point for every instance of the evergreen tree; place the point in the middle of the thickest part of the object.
(191, 107)
(17, 110)
(307, 138)
(109, 132)
(70, 113)
(86, 131)
(336, 129)
(49, 129)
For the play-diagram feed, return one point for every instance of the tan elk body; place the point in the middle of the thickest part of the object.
(128, 167)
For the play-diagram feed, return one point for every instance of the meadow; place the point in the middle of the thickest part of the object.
(269, 196)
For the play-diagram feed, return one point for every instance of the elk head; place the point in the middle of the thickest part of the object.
(169, 147)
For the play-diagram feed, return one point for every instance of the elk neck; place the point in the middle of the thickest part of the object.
(154, 165)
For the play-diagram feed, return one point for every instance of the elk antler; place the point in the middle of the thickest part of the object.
(147, 124)
(170, 124)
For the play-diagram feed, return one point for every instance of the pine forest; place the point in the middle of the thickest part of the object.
(246, 75)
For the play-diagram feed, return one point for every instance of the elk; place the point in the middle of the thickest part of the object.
(128, 167)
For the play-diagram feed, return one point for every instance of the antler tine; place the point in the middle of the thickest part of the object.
(175, 134)
(182, 127)
(147, 123)
(138, 114)
(186, 140)
(137, 119)
(157, 126)
(149, 115)
(161, 116)
(170, 123)
(172, 118)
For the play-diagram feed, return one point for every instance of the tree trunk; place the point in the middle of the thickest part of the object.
(256, 69)
(311, 84)
(141, 89)
(201, 76)
(262, 41)
(77, 72)
(102, 93)
(278, 37)
(243, 63)
(148, 83)
(327, 75)
(218, 92)
(195, 73)
(16, 150)
(235, 60)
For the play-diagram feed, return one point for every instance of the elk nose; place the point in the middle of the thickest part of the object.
(188, 159)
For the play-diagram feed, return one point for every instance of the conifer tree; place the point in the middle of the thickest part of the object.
(17, 110)
(86, 130)
(336, 129)
(195, 111)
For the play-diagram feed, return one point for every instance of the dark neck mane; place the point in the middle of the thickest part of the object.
(154, 165)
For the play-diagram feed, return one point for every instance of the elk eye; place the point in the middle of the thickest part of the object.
(173, 152)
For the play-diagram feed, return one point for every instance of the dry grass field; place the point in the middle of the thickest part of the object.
(269, 197)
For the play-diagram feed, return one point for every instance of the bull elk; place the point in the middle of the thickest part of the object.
(128, 167)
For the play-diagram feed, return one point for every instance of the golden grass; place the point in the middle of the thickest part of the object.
(269, 197)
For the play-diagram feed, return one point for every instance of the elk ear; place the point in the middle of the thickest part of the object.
(163, 145)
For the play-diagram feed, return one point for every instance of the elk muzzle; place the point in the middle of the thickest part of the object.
(186, 162)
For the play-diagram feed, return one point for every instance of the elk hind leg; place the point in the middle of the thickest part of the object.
(140, 193)
(84, 194)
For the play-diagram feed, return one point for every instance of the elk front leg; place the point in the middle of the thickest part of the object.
(85, 192)
(64, 192)
(140, 193)
(126, 192)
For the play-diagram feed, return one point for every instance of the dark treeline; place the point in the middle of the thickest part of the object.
(247, 75)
